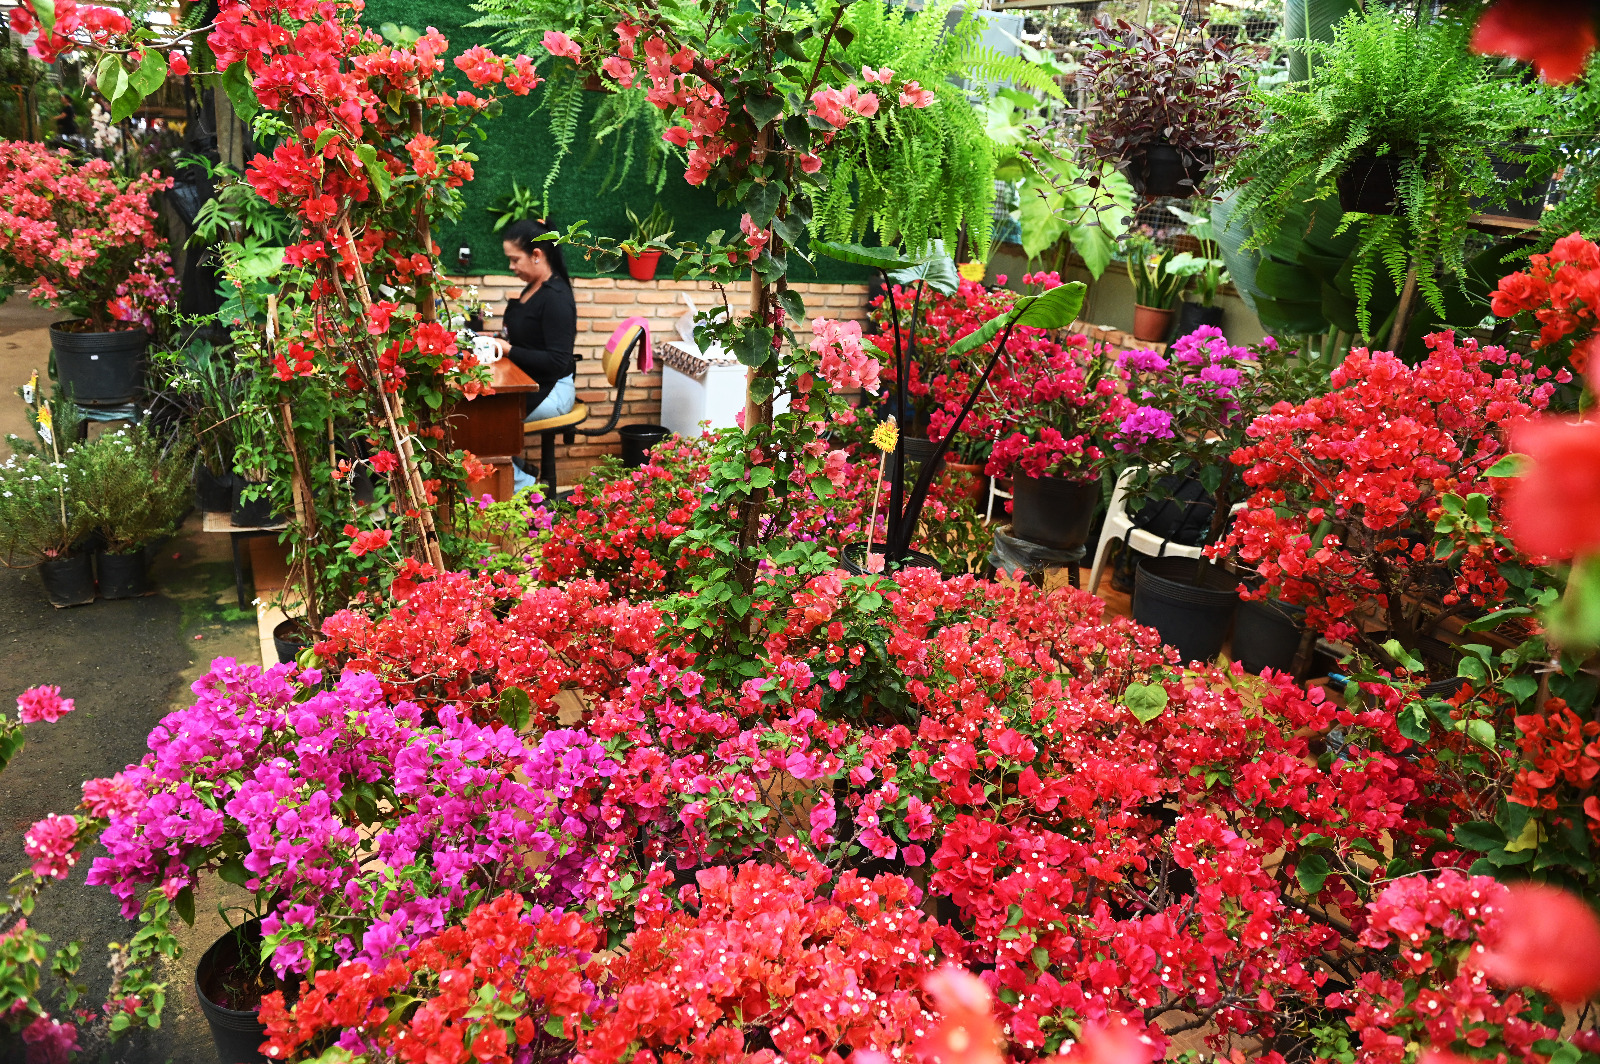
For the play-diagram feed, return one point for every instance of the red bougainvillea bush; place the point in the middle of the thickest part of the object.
(74, 235)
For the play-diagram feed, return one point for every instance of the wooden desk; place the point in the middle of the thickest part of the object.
(490, 426)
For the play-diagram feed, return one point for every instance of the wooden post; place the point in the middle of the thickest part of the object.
(1403, 311)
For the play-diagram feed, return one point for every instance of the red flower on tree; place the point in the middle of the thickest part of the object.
(1556, 36)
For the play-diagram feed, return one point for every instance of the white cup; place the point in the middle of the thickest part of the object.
(485, 349)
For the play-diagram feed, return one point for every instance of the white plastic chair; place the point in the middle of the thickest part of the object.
(1119, 529)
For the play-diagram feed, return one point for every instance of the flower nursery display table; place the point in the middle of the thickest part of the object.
(237, 534)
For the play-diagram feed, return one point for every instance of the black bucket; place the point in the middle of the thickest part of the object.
(1053, 512)
(1192, 617)
(920, 450)
(1370, 184)
(1192, 316)
(123, 575)
(637, 441)
(290, 637)
(1160, 170)
(68, 581)
(238, 1033)
(1267, 635)
(214, 493)
(98, 368)
(250, 513)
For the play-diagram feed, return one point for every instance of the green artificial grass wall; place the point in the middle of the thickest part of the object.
(518, 146)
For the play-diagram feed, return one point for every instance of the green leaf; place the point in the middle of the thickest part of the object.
(183, 905)
(1145, 700)
(238, 84)
(1312, 872)
(151, 73)
(233, 871)
(1512, 465)
(1413, 720)
(555, 1027)
(1050, 310)
(762, 203)
(45, 10)
(1521, 687)
(938, 272)
(877, 258)
(1402, 656)
(764, 109)
(376, 171)
(1480, 836)
(1527, 839)
(516, 709)
(1482, 731)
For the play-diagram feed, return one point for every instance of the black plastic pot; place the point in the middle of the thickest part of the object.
(1053, 511)
(1192, 316)
(1370, 184)
(237, 1033)
(1512, 165)
(214, 493)
(637, 441)
(98, 368)
(249, 513)
(1191, 616)
(123, 575)
(290, 637)
(1267, 635)
(853, 559)
(920, 450)
(1160, 170)
(68, 581)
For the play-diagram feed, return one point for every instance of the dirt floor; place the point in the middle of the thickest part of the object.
(126, 664)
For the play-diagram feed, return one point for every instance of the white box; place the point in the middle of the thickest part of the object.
(718, 397)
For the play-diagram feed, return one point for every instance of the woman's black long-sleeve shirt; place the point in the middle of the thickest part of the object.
(543, 332)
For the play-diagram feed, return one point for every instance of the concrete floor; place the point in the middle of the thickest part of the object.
(126, 664)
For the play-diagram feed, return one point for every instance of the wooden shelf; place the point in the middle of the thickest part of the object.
(1502, 223)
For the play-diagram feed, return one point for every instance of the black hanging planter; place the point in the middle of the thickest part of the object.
(236, 1026)
(1193, 316)
(98, 368)
(292, 636)
(214, 492)
(1053, 511)
(1159, 169)
(250, 513)
(1267, 634)
(123, 575)
(68, 581)
(1370, 185)
(1512, 165)
(1191, 615)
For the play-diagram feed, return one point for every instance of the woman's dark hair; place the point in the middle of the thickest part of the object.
(525, 233)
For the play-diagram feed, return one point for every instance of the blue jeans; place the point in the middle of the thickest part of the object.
(562, 395)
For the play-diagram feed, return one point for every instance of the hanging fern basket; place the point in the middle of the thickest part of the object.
(1159, 169)
(1370, 185)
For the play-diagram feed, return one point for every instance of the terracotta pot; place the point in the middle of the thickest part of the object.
(643, 267)
(972, 477)
(1151, 324)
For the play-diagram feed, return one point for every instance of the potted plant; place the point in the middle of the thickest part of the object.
(42, 518)
(1396, 119)
(1204, 273)
(1374, 505)
(1155, 288)
(206, 385)
(136, 488)
(1170, 111)
(649, 240)
(1199, 401)
(55, 243)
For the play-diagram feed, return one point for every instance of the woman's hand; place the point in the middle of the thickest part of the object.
(502, 346)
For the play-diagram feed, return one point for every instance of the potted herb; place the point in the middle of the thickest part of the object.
(136, 488)
(1396, 119)
(56, 244)
(649, 239)
(1169, 111)
(1155, 288)
(1204, 273)
(42, 518)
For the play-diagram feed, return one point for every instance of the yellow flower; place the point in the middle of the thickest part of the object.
(886, 435)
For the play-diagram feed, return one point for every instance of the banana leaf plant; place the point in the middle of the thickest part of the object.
(1053, 309)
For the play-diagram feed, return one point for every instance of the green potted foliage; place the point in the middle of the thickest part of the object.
(1204, 273)
(206, 384)
(1155, 288)
(42, 518)
(135, 489)
(649, 240)
(1401, 121)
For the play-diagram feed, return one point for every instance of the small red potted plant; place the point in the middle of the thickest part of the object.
(647, 243)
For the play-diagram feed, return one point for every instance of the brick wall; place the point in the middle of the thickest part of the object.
(603, 303)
